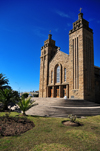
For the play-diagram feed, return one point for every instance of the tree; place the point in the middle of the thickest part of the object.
(25, 104)
(3, 82)
(36, 95)
(7, 96)
(25, 95)
(16, 95)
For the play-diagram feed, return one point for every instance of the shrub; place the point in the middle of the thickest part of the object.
(36, 95)
(25, 95)
(72, 117)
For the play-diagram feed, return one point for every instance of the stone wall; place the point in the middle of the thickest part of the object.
(74, 91)
(89, 89)
(97, 84)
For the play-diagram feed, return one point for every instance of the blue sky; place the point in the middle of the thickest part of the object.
(25, 25)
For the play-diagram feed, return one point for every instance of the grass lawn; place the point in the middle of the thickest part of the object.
(49, 134)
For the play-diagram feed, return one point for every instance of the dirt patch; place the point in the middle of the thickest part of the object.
(69, 123)
(10, 126)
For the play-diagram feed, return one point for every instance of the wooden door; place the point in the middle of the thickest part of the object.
(57, 93)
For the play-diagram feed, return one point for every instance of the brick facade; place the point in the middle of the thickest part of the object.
(72, 75)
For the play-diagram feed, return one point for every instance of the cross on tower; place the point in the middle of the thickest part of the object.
(80, 10)
(50, 31)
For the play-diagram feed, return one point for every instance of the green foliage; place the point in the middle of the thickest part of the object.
(7, 114)
(16, 95)
(3, 82)
(25, 95)
(25, 104)
(72, 117)
(7, 96)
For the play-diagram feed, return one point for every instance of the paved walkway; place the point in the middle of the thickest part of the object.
(59, 107)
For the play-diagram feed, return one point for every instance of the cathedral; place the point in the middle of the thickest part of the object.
(73, 75)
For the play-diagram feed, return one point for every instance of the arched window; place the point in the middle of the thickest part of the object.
(64, 74)
(58, 74)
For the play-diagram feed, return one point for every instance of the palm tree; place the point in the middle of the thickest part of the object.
(7, 96)
(3, 82)
(25, 104)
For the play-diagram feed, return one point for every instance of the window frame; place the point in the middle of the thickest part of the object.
(64, 74)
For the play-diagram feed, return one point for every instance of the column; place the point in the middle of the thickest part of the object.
(60, 91)
(53, 91)
(67, 90)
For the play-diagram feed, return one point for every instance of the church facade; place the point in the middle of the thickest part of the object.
(73, 75)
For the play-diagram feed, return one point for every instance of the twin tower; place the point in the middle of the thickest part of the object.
(69, 75)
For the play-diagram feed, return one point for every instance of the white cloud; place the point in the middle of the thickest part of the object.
(39, 31)
(62, 14)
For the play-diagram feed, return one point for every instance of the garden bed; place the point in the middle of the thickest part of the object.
(10, 126)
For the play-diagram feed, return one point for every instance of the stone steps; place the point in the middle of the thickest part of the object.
(63, 112)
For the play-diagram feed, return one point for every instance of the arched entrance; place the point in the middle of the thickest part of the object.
(58, 91)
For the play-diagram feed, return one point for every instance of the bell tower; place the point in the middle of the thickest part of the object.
(47, 53)
(81, 60)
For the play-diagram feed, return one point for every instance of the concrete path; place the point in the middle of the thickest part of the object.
(59, 107)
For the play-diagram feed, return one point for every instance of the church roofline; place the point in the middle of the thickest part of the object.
(57, 52)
